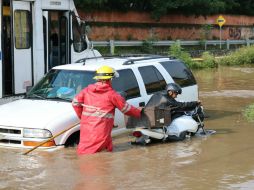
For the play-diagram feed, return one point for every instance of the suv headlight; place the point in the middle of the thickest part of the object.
(37, 133)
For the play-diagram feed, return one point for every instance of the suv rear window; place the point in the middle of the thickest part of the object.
(126, 82)
(152, 78)
(179, 72)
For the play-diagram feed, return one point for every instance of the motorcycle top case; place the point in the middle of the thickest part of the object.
(156, 113)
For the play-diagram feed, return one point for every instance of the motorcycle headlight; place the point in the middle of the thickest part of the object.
(37, 133)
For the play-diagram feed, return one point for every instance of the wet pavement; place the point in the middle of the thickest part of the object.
(220, 161)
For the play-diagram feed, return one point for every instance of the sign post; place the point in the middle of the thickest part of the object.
(220, 21)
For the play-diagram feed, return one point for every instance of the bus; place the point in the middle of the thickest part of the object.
(37, 35)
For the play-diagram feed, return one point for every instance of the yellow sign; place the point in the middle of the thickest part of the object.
(220, 21)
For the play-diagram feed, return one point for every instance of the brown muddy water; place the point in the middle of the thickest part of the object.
(224, 160)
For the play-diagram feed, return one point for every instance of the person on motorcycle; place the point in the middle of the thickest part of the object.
(95, 106)
(178, 108)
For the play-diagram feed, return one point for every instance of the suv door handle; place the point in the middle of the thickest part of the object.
(141, 104)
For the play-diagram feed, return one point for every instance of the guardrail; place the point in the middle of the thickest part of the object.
(112, 43)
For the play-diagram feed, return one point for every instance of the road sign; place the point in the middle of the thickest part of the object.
(221, 21)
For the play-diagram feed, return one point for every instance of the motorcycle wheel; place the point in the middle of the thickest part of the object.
(192, 134)
(143, 140)
(174, 138)
(182, 135)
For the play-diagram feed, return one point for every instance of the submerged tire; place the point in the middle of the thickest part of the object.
(73, 140)
(182, 135)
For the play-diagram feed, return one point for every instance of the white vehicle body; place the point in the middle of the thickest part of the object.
(22, 120)
(37, 35)
(183, 123)
(164, 129)
(177, 130)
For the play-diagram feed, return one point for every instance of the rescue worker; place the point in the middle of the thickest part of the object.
(178, 108)
(95, 106)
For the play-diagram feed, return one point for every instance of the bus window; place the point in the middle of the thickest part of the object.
(22, 29)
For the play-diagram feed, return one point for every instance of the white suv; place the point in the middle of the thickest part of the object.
(46, 109)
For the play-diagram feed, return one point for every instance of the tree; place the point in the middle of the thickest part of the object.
(158, 8)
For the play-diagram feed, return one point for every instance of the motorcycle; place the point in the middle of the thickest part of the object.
(155, 124)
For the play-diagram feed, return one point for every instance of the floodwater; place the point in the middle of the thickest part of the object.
(221, 161)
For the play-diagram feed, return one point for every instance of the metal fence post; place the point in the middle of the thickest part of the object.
(112, 47)
(247, 42)
(228, 44)
(178, 42)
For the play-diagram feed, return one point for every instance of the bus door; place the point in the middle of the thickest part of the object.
(6, 55)
(22, 46)
(56, 38)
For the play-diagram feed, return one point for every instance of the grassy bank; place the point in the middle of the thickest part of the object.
(242, 56)
(207, 60)
(249, 113)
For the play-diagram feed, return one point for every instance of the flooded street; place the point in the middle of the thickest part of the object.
(221, 161)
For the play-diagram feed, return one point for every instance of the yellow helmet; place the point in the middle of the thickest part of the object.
(105, 72)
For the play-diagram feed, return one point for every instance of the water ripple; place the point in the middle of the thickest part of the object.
(229, 93)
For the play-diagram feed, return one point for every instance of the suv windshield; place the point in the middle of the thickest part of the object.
(61, 84)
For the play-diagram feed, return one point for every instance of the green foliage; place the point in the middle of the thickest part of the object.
(91, 4)
(175, 50)
(249, 113)
(158, 8)
(243, 56)
(208, 60)
(242, 7)
(189, 7)
(147, 46)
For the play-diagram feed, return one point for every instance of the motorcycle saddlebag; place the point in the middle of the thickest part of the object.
(155, 114)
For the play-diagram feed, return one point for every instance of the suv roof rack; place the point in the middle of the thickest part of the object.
(132, 61)
(83, 60)
(129, 61)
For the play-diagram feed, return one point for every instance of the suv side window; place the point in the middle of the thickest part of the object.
(179, 72)
(126, 82)
(153, 79)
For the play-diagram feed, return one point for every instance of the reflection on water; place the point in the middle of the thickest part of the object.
(220, 161)
(219, 114)
(248, 184)
(230, 93)
(94, 172)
